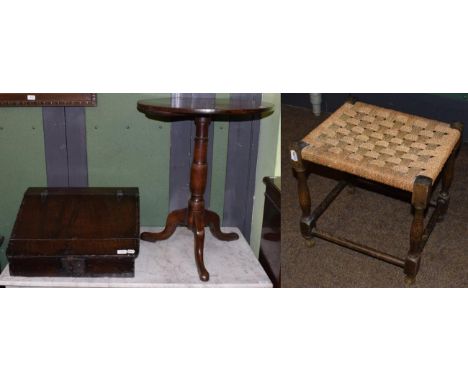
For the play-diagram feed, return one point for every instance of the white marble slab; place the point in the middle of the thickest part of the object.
(171, 263)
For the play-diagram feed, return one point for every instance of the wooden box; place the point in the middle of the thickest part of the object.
(78, 232)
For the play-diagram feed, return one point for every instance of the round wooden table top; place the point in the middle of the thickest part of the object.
(203, 107)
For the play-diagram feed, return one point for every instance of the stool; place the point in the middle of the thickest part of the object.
(383, 146)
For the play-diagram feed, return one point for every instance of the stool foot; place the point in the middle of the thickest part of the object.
(409, 281)
(310, 243)
(442, 201)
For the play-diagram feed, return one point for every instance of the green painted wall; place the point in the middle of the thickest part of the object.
(22, 162)
(127, 149)
(124, 149)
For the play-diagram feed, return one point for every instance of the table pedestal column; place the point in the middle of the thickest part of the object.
(195, 217)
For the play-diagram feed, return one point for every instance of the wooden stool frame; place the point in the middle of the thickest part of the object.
(420, 200)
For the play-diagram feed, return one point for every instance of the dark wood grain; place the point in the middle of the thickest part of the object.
(300, 172)
(182, 137)
(75, 232)
(195, 216)
(214, 108)
(48, 99)
(419, 199)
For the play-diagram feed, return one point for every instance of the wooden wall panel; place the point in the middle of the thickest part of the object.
(182, 135)
(241, 169)
(55, 144)
(75, 122)
(65, 146)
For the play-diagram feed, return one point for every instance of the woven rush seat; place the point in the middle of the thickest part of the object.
(385, 146)
(381, 144)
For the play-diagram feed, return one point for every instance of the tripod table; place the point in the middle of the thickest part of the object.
(202, 111)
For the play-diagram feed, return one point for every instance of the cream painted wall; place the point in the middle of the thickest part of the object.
(278, 151)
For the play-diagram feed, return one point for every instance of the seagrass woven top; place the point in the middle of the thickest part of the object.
(380, 144)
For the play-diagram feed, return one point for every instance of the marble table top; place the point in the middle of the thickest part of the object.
(171, 263)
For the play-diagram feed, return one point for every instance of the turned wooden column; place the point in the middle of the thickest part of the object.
(199, 170)
(302, 189)
(198, 177)
(419, 200)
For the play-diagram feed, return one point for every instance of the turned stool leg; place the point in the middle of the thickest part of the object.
(421, 194)
(443, 199)
(303, 190)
